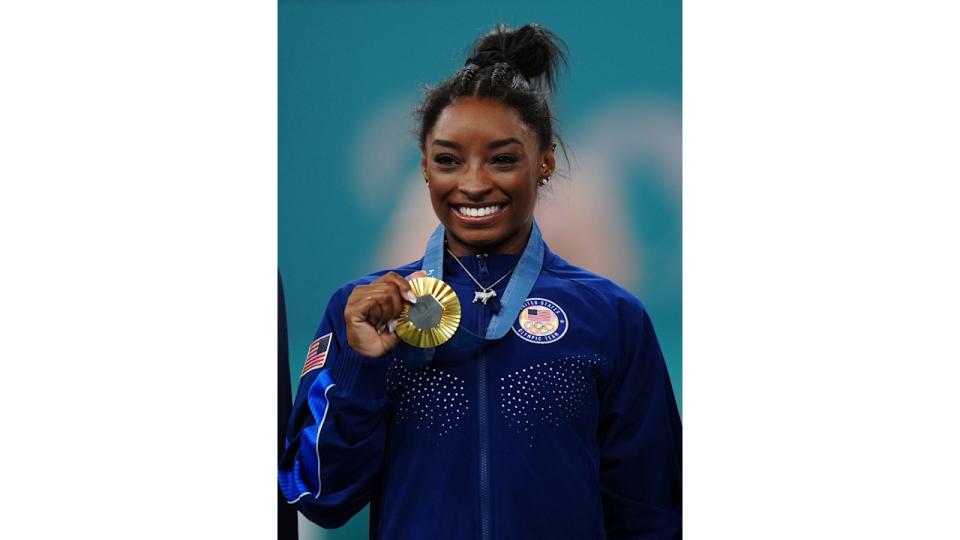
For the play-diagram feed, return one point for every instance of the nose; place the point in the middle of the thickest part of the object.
(475, 184)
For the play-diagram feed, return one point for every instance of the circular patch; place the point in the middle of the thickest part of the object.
(540, 321)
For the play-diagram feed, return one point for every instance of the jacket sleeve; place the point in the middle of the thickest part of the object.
(640, 437)
(335, 435)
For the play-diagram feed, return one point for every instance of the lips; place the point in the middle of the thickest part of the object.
(482, 211)
(478, 215)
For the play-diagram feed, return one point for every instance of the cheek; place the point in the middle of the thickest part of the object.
(524, 195)
(435, 199)
(438, 194)
(522, 183)
(439, 187)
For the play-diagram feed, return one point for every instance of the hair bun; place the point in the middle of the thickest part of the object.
(534, 51)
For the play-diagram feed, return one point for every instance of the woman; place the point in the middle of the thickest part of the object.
(549, 414)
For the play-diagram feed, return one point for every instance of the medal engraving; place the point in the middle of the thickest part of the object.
(426, 313)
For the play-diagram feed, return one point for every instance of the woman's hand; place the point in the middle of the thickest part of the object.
(371, 310)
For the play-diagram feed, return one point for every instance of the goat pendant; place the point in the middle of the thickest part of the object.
(483, 296)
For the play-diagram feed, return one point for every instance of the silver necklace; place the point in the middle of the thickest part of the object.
(485, 293)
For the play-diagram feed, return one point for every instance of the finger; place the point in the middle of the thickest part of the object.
(390, 302)
(384, 311)
(358, 309)
(389, 340)
(403, 286)
(384, 294)
(359, 297)
(374, 313)
(395, 300)
(418, 273)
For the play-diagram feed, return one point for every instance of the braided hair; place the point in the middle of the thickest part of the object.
(517, 67)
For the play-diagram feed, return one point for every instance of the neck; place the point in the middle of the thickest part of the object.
(512, 245)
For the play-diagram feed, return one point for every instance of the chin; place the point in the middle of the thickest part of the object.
(480, 238)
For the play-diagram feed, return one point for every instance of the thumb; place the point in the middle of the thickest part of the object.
(418, 273)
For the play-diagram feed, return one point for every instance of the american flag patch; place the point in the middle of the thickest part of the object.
(539, 315)
(316, 354)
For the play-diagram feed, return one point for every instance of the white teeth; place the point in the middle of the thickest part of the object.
(478, 212)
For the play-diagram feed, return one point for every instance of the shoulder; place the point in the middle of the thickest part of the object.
(597, 289)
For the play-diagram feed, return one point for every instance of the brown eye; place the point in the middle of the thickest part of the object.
(445, 160)
(504, 159)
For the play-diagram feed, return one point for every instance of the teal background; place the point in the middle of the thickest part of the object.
(350, 74)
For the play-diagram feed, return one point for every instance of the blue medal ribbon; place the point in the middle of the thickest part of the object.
(518, 289)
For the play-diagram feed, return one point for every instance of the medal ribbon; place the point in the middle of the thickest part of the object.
(518, 288)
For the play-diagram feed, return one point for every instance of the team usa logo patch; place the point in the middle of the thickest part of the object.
(541, 321)
(316, 354)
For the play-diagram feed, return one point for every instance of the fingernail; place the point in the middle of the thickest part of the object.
(393, 324)
(412, 298)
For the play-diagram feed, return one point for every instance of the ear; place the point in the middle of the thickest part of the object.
(423, 165)
(549, 162)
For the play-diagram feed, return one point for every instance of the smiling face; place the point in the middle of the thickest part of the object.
(482, 164)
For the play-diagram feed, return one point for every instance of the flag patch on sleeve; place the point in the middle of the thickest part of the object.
(317, 354)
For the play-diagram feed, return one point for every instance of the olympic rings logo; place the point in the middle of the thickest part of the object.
(538, 327)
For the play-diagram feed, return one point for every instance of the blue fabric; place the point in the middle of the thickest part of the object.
(302, 478)
(577, 437)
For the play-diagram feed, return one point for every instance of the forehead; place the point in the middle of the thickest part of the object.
(471, 119)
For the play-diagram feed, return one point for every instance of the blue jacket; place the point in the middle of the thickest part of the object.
(567, 427)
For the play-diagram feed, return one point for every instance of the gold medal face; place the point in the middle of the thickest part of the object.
(434, 318)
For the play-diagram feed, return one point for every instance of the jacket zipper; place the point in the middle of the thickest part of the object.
(482, 420)
(484, 455)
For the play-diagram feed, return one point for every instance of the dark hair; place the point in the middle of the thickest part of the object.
(517, 67)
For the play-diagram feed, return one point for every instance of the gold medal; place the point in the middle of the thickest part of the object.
(434, 318)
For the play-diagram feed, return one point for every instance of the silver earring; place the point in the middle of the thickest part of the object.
(543, 181)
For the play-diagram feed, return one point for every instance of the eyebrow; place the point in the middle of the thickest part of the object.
(448, 144)
(503, 142)
(495, 144)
